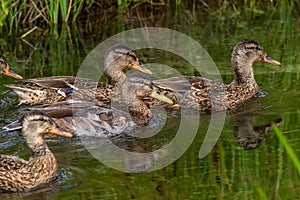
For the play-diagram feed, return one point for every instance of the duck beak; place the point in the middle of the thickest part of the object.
(156, 94)
(58, 131)
(270, 60)
(139, 66)
(10, 72)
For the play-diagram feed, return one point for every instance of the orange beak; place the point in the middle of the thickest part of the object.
(58, 131)
(139, 66)
(10, 72)
(270, 60)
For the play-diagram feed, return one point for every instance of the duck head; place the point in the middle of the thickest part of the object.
(35, 124)
(5, 69)
(244, 54)
(119, 58)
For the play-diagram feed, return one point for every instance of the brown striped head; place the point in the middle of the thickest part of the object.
(119, 58)
(244, 54)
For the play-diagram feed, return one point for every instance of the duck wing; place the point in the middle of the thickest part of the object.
(11, 163)
(184, 83)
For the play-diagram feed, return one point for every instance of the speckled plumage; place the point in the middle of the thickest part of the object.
(205, 95)
(49, 90)
(84, 118)
(19, 175)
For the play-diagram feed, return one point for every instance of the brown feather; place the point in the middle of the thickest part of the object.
(17, 174)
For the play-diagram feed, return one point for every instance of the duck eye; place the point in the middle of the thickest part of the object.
(127, 53)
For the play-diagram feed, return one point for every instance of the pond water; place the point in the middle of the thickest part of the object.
(247, 161)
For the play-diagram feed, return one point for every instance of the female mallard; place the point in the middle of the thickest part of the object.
(19, 175)
(206, 95)
(124, 114)
(49, 90)
(6, 70)
(83, 118)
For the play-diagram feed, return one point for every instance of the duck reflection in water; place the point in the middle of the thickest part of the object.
(246, 134)
(127, 153)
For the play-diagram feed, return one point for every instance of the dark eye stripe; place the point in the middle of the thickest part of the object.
(254, 48)
(128, 53)
(132, 55)
(38, 116)
(43, 120)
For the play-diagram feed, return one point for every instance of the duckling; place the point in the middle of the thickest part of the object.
(19, 175)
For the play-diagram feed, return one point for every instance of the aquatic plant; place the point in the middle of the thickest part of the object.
(289, 150)
(16, 13)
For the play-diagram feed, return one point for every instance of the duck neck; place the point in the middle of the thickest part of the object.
(243, 69)
(37, 145)
(40, 150)
(114, 73)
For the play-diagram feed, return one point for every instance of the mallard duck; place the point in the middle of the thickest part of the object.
(19, 175)
(205, 95)
(84, 118)
(49, 90)
(6, 70)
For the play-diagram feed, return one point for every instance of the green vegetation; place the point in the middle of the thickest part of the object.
(48, 13)
(69, 29)
(23, 13)
(290, 151)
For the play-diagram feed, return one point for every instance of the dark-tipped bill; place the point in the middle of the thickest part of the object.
(139, 66)
(10, 72)
(155, 94)
(270, 60)
(58, 131)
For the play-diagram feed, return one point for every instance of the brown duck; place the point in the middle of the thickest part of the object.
(48, 90)
(19, 175)
(205, 95)
(87, 119)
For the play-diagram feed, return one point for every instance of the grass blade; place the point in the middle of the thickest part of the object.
(291, 153)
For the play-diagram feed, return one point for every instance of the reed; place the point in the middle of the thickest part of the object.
(15, 13)
(289, 150)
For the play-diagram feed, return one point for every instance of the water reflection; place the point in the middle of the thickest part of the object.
(140, 155)
(249, 136)
(245, 131)
(134, 157)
